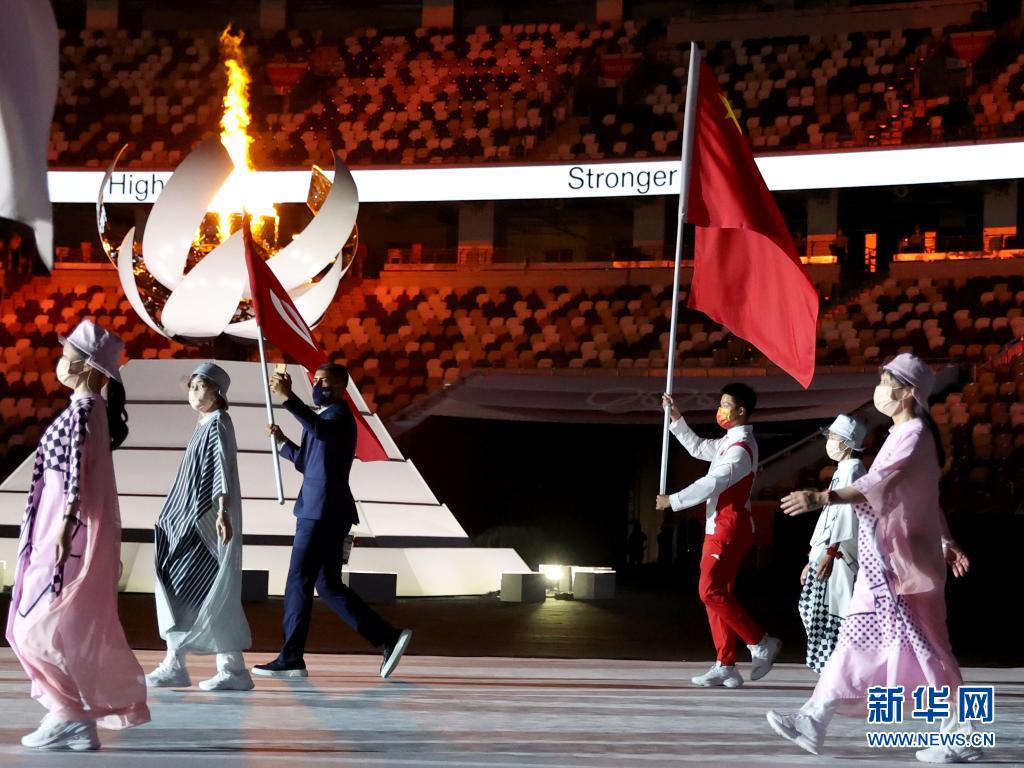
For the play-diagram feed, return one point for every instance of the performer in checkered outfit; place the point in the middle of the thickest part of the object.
(199, 548)
(831, 569)
(63, 622)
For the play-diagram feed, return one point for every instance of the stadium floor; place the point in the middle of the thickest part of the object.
(460, 712)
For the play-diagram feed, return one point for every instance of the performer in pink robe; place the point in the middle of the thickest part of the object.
(895, 633)
(63, 623)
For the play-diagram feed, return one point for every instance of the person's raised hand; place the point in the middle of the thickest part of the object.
(801, 502)
(281, 385)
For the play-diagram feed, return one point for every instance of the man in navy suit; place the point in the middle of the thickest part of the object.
(325, 512)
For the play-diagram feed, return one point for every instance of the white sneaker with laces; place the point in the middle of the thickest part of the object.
(54, 733)
(762, 656)
(719, 675)
(803, 730)
(170, 674)
(948, 755)
(228, 681)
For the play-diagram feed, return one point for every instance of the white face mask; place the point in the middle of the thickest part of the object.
(836, 449)
(201, 397)
(884, 401)
(66, 377)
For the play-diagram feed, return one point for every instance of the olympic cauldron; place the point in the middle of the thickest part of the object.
(186, 277)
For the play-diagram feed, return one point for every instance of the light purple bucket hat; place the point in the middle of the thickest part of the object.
(917, 373)
(101, 348)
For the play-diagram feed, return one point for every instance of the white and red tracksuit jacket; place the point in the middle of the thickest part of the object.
(727, 485)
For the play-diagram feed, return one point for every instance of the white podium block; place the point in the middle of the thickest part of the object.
(526, 587)
(588, 584)
(372, 586)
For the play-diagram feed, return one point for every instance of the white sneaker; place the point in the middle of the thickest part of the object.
(228, 681)
(719, 675)
(803, 730)
(53, 733)
(949, 755)
(762, 656)
(170, 674)
(393, 654)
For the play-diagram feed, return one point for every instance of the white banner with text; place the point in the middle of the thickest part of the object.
(545, 181)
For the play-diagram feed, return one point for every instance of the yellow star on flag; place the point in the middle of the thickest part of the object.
(729, 113)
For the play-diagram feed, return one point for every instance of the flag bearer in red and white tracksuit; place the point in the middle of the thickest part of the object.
(729, 531)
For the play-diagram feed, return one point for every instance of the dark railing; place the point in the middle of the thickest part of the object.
(1011, 350)
(413, 255)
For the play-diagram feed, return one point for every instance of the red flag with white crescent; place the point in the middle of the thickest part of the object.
(282, 325)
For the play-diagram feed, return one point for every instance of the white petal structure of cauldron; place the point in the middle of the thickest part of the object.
(209, 298)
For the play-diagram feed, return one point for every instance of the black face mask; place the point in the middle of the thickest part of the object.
(322, 395)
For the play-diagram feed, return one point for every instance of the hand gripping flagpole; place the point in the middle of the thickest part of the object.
(247, 239)
(270, 416)
(689, 126)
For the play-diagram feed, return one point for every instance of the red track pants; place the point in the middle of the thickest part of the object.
(719, 563)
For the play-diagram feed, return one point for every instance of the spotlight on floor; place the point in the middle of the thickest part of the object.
(559, 577)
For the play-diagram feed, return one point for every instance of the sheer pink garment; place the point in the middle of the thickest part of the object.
(895, 632)
(63, 623)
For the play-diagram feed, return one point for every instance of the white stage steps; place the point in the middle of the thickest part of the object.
(403, 527)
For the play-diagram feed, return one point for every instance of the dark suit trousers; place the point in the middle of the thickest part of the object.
(316, 562)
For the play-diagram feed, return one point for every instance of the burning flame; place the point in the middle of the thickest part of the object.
(236, 118)
(240, 192)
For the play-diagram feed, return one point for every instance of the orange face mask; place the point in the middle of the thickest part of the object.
(725, 417)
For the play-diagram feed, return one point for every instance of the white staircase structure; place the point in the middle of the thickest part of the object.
(403, 527)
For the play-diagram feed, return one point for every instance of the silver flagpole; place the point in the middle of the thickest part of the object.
(270, 416)
(689, 126)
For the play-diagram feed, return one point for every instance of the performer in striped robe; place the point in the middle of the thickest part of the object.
(199, 549)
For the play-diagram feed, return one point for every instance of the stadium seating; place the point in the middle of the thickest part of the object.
(508, 93)
(940, 319)
(404, 343)
(420, 97)
(813, 92)
(400, 344)
(983, 428)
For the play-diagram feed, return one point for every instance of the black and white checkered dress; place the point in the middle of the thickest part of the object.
(60, 449)
(821, 625)
(824, 604)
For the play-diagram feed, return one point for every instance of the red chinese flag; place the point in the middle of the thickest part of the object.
(283, 326)
(747, 275)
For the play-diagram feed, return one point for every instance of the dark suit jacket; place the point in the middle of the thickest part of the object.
(324, 458)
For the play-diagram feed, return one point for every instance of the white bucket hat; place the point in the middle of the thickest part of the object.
(850, 429)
